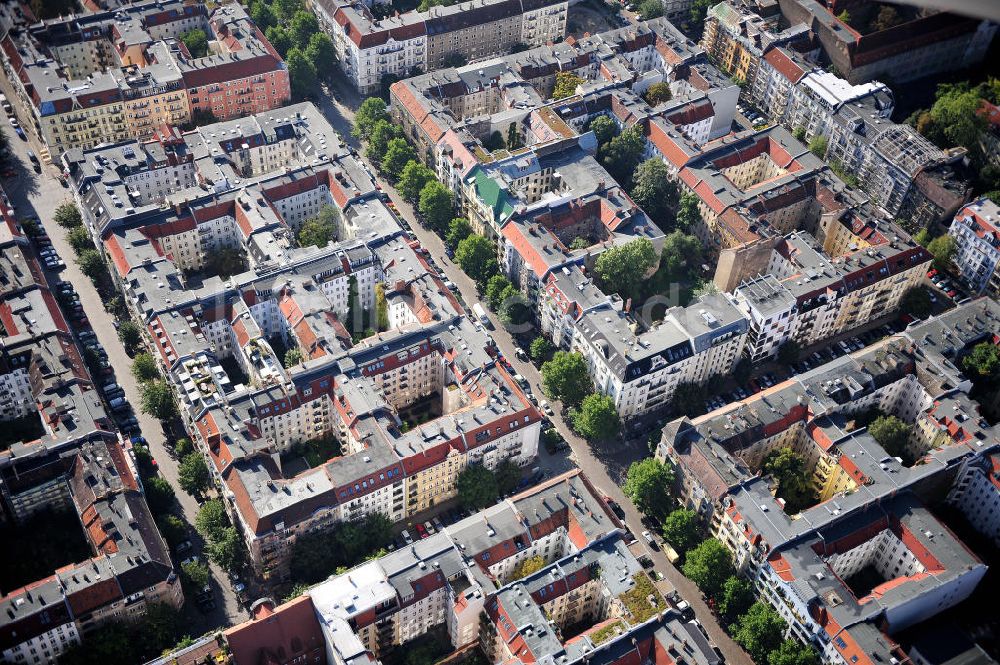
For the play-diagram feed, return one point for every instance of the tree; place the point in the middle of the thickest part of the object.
(455, 59)
(193, 475)
(681, 257)
(648, 483)
(623, 267)
(381, 133)
(943, 249)
(286, 9)
(654, 191)
(321, 229)
(476, 256)
(799, 133)
(159, 494)
(398, 154)
(688, 215)
(144, 367)
(604, 129)
(477, 487)
(696, 17)
(293, 357)
(211, 521)
(304, 25)
(566, 378)
(68, 216)
(983, 361)
(226, 261)
(891, 433)
(508, 477)
(514, 307)
(789, 469)
(381, 308)
(844, 17)
(916, 301)
(228, 551)
(322, 54)
(79, 239)
(157, 400)
(196, 573)
(735, 598)
(91, 264)
(818, 146)
(788, 352)
(681, 530)
(183, 446)
(708, 565)
(887, 18)
(262, 15)
(622, 154)
(793, 652)
(281, 39)
(527, 567)
(922, 237)
(196, 42)
(597, 418)
(173, 528)
(131, 336)
(759, 631)
(371, 111)
(301, 72)
(413, 178)
(495, 288)
(541, 349)
(514, 140)
(566, 83)
(458, 230)
(436, 205)
(579, 242)
(650, 9)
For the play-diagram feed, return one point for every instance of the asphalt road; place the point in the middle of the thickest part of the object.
(604, 465)
(39, 195)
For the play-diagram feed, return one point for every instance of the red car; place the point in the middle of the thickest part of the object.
(931, 272)
(952, 293)
(421, 531)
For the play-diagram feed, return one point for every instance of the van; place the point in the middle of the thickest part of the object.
(117, 403)
(110, 388)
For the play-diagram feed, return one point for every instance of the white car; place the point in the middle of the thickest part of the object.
(546, 408)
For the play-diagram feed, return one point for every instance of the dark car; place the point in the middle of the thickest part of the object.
(616, 508)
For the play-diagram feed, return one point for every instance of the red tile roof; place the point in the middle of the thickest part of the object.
(289, 633)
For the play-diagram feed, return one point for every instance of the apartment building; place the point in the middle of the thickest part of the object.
(75, 464)
(976, 493)
(97, 78)
(412, 405)
(977, 242)
(864, 513)
(372, 50)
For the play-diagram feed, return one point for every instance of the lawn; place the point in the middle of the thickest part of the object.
(636, 599)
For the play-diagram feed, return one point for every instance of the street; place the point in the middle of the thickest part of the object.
(605, 468)
(39, 195)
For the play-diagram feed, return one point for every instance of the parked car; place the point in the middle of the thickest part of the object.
(406, 536)
(183, 547)
(421, 531)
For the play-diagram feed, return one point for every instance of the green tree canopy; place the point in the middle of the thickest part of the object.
(398, 154)
(159, 494)
(708, 565)
(495, 288)
(604, 129)
(541, 349)
(916, 301)
(320, 230)
(211, 520)
(458, 230)
(943, 248)
(79, 239)
(303, 26)
(648, 483)
(983, 361)
(654, 191)
(508, 477)
(650, 9)
(437, 205)
(293, 357)
(196, 573)
(381, 133)
(301, 72)
(91, 264)
(514, 307)
(760, 631)
(130, 336)
(196, 42)
(793, 477)
(262, 15)
(173, 528)
(381, 308)
(623, 267)
(157, 400)
(68, 216)
(680, 260)
(735, 598)
(891, 433)
(322, 54)
(688, 215)
(477, 487)
(193, 475)
(371, 111)
(681, 530)
(793, 652)
(566, 378)
(413, 179)
(597, 418)
(228, 551)
(319, 554)
(144, 368)
(476, 256)
(622, 154)
(566, 83)
(818, 146)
